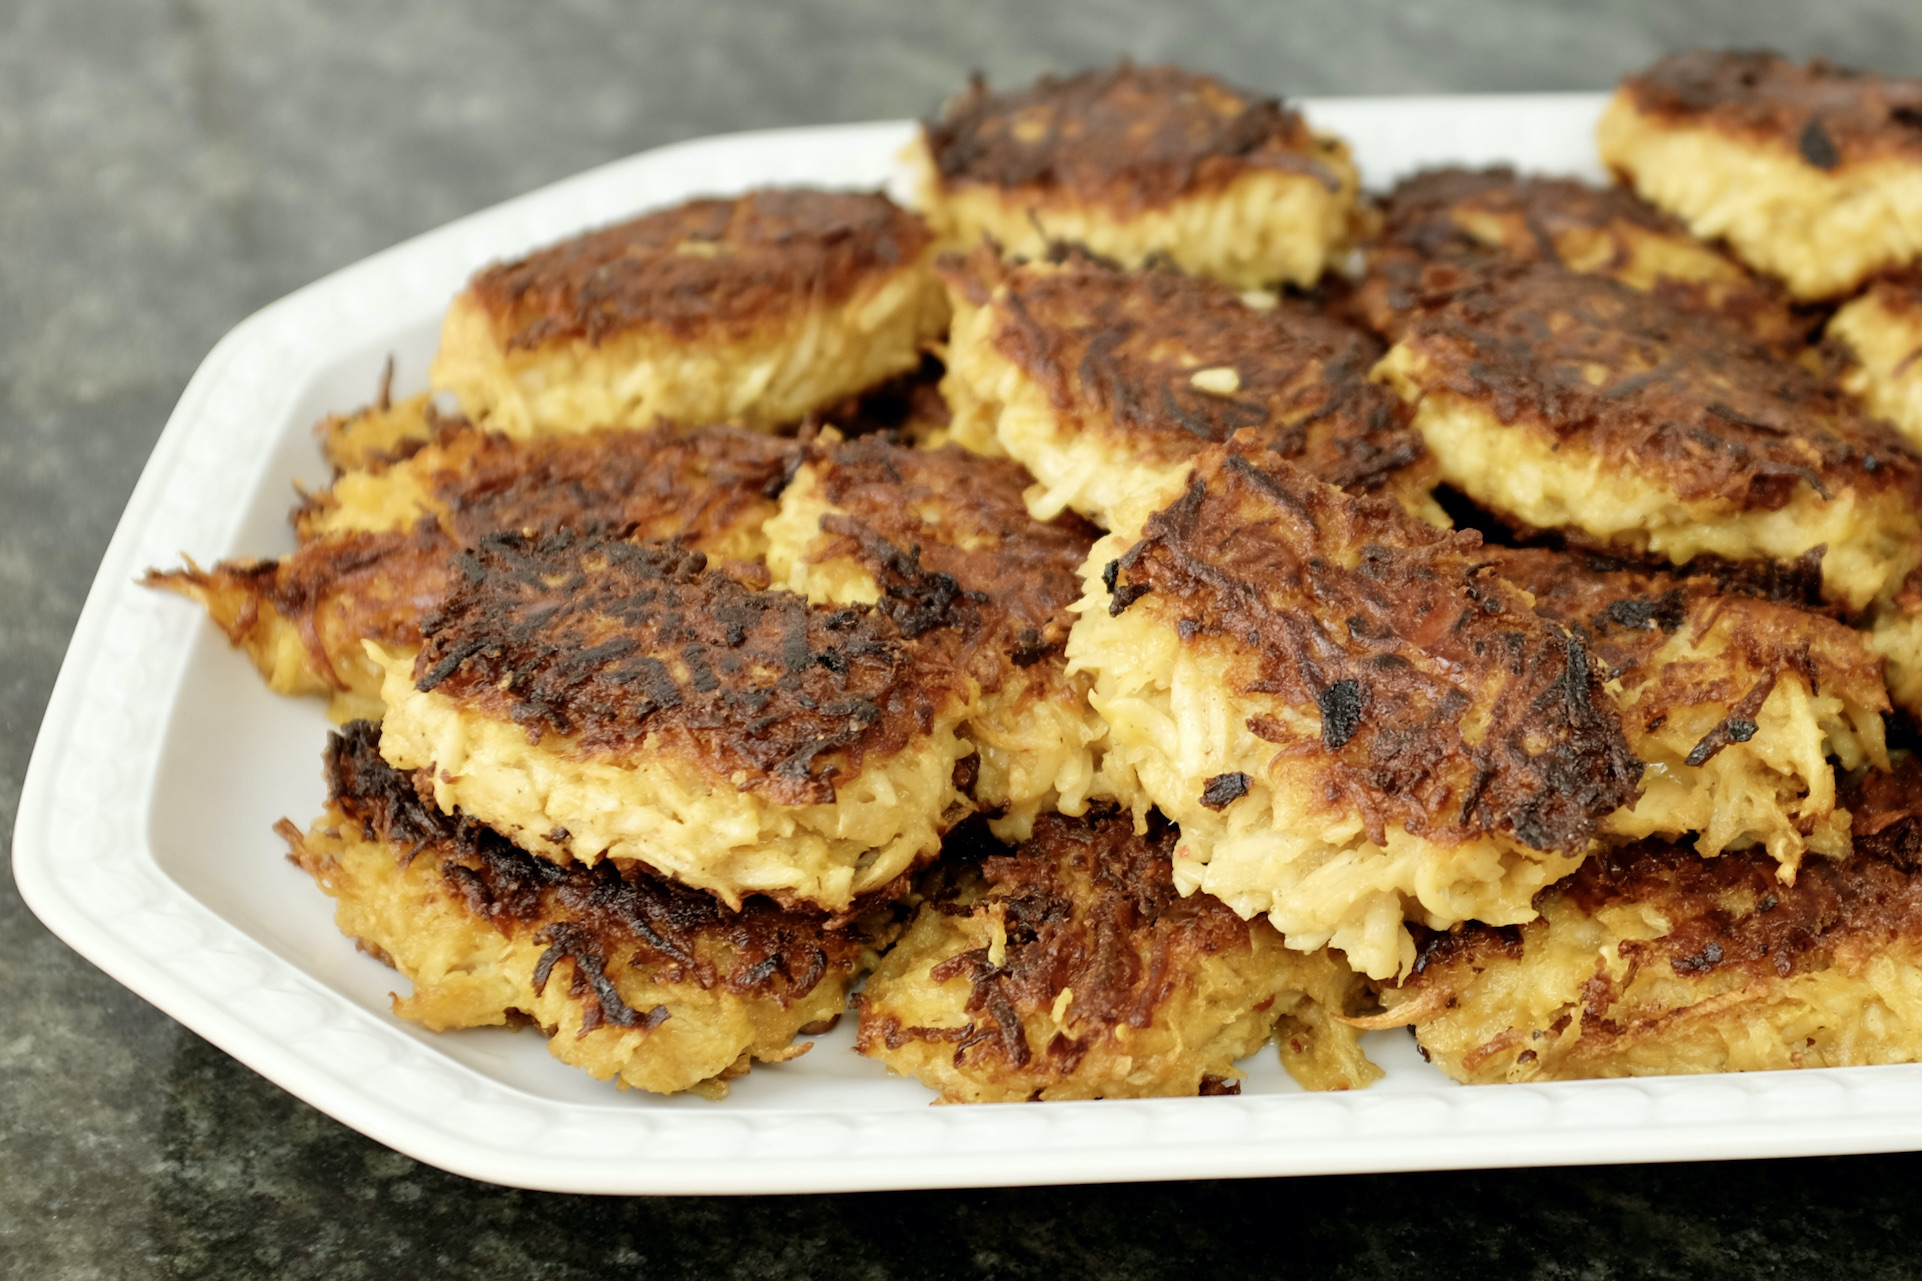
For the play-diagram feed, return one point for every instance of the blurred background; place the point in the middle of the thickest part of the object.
(169, 166)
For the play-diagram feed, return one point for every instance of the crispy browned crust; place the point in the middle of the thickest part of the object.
(920, 516)
(1131, 137)
(663, 483)
(1625, 616)
(611, 643)
(1829, 115)
(1088, 905)
(762, 256)
(1426, 252)
(1731, 912)
(336, 592)
(615, 910)
(1684, 400)
(339, 589)
(1117, 351)
(1403, 635)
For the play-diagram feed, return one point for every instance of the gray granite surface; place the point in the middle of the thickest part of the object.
(167, 167)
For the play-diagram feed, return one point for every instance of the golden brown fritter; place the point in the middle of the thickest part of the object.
(596, 698)
(628, 975)
(1070, 968)
(1734, 703)
(1650, 961)
(1881, 332)
(1106, 383)
(872, 522)
(1347, 711)
(1442, 228)
(375, 546)
(1140, 161)
(1811, 173)
(757, 309)
(1558, 400)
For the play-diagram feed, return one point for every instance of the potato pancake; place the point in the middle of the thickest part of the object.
(1071, 968)
(756, 310)
(595, 698)
(629, 976)
(1139, 162)
(1735, 704)
(375, 547)
(1107, 383)
(1652, 961)
(1562, 400)
(1441, 227)
(1812, 174)
(1350, 715)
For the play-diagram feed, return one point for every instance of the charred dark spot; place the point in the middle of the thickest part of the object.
(1223, 790)
(1341, 705)
(1816, 146)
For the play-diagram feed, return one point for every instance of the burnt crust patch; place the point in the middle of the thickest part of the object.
(705, 269)
(1304, 589)
(1680, 398)
(611, 642)
(1136, 137)
(615, 912)
(1826, 114)
(1120, 352)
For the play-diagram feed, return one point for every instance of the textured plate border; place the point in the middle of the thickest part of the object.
(85, 863)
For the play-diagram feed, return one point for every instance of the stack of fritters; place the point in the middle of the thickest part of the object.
(1349, 714)
(1652, 960)
(1129, 703)
(630, 975)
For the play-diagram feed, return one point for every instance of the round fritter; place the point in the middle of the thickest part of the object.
(1070, 968)
(759, 308)
(942, 534)
(1346, 710)
(375, 547)
(1735, 703)
(1442, 227)
(1812, 173)
(1558, 399)
(1651, 961)
(1831, 115)
(629, 975)
(1135, 161)
(594, 698)
(1106, 383)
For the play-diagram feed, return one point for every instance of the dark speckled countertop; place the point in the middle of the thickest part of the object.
(167, 167)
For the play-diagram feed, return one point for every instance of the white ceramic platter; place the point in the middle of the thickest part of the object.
(144, 837)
